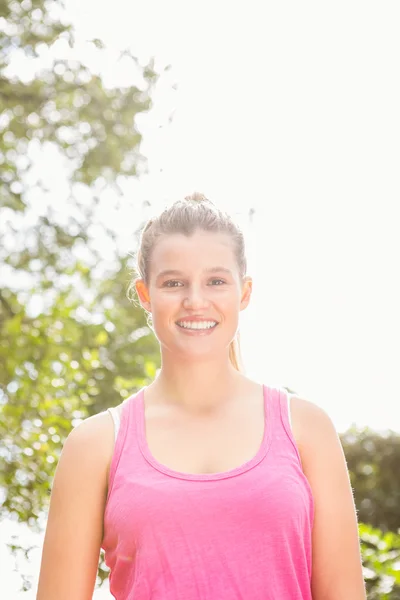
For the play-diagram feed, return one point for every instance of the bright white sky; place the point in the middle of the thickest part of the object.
(290, 109)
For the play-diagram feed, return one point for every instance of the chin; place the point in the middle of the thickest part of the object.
(199, 354)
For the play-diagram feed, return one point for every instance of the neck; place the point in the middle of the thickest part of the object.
(197, 386)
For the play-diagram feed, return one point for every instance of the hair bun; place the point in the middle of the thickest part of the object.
(197, 197)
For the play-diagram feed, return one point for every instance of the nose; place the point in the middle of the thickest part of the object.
(195, 299)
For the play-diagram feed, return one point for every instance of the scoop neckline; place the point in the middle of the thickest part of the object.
(243, 468)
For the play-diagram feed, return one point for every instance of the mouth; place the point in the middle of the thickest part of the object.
(197, 325)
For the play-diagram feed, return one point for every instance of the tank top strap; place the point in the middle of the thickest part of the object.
(272, 409)
(284, 409)
(126, 419)
(281, 427)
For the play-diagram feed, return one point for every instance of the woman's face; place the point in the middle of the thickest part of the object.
(195, 294)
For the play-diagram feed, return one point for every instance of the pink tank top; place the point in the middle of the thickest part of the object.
(238, 535)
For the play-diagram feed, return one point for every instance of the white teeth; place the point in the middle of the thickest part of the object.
(197, 324)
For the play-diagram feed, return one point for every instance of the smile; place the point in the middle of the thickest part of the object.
(196, 325)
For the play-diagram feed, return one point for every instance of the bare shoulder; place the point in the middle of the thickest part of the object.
(313, 428)
(91, 444)
(92, 432)
(337, 569)
(308, 418)
(75, 522)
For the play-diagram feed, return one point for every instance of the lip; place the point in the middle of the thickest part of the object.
(195, 319)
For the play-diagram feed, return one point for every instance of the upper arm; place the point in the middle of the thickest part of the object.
(336, 567)
(75, 523)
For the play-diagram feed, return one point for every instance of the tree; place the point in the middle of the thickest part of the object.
(381, 560)
(71, 344)
(73, 359)
(373, 460)
(65, 105)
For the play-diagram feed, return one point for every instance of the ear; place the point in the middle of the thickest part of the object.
(247, 289)
(143, 294)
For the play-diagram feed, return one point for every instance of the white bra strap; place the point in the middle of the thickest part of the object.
(115, 417)
(288, 409)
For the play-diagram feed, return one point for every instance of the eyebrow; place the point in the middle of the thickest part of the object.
(176, 273)
(219, 270)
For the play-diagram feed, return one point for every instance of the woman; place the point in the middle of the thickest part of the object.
(205, 484)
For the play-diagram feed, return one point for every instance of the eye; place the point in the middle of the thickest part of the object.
(217, 281)
(172, 283)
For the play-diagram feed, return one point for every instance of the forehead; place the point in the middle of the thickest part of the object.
(201, 250)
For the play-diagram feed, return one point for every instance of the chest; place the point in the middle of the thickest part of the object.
(206, 443)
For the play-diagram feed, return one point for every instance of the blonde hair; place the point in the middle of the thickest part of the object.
(186, 216)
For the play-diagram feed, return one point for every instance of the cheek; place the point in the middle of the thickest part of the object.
(164, 306)
(160, 316)
(228, 302)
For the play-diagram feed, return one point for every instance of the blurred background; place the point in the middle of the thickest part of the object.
(284, 114)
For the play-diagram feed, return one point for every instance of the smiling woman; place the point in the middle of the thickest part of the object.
(205, 484)
(195, 215)
(196, 291)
